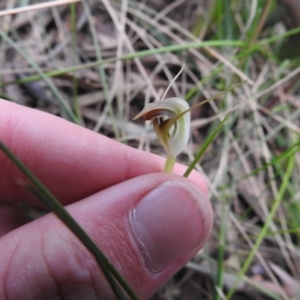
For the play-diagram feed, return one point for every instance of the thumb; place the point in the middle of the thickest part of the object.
(149, 227)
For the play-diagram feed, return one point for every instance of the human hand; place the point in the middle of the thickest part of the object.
(148, 223)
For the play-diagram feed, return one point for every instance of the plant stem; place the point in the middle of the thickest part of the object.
(203, 148)
(169, 164)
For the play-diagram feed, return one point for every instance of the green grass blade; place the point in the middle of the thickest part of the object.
(219, 281)
(42, 75)
(143, 53)
(203, 148)
(264, 231)
(286, 154)
(48, 199)
(73, 60)
(228, 20)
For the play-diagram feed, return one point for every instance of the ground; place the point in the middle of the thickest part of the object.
(98, 62)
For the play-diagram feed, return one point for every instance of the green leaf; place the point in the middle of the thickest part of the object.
(203, 148)
(48, 199)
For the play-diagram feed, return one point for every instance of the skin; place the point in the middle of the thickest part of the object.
(86, 172)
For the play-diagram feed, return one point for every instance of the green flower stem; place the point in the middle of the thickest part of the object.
(169, 164)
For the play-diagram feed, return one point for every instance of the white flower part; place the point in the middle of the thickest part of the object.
(180, 131)
(171, 122)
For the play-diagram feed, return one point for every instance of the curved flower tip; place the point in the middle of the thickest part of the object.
(171, 122)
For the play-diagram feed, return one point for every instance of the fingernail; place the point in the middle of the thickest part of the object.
(167, 224)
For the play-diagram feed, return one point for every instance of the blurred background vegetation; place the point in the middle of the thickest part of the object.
(97, 63)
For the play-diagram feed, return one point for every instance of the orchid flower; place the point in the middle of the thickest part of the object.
(171, 122)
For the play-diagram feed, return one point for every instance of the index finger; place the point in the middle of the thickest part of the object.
(73, 162)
